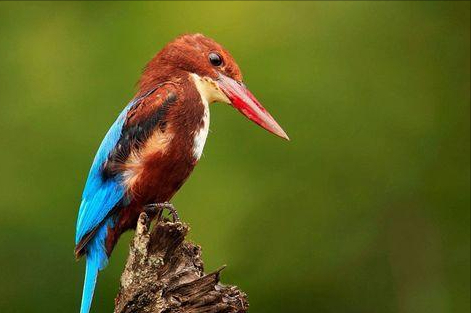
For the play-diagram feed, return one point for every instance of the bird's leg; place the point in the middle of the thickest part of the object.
(157, 209)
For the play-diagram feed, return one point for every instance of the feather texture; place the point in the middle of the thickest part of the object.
(100, 196)
(103, 192)
(96, 260)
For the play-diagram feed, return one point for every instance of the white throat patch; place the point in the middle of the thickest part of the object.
(209, 92)
(209, 89)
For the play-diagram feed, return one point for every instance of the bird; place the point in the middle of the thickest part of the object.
(155, 142)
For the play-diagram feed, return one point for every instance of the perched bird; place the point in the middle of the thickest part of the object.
(156, 141)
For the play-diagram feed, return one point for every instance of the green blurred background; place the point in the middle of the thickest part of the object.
(365, 210)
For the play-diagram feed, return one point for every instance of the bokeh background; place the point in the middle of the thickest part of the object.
(365, 210)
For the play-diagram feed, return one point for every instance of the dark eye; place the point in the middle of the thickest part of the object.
(215, 59)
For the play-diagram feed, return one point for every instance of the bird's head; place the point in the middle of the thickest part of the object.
(214, 72)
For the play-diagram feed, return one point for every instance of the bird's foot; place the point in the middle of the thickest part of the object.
(157, 209)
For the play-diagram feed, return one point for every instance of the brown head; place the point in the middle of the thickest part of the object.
(213, 70)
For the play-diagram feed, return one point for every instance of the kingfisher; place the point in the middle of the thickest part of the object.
(156, 141)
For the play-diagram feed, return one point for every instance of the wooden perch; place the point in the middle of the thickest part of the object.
(164, 273)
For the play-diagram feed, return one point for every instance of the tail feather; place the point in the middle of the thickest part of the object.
(96, 260)
(91, 274)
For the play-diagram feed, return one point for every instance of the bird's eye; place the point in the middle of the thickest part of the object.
(215, 59)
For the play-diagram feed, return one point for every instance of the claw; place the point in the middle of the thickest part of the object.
(158, 208)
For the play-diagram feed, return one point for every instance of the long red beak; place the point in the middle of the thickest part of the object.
(243, 100)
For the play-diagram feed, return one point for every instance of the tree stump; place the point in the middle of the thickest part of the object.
(164, 273)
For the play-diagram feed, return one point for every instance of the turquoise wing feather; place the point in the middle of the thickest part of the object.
(100, 196)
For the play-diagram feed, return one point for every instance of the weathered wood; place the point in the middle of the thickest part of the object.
(164, 273)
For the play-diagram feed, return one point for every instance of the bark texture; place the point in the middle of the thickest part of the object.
(164, 273)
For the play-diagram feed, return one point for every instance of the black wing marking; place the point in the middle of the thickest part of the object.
(140, 124)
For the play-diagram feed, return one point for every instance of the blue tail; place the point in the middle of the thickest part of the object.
(96, 261)
(91, 274)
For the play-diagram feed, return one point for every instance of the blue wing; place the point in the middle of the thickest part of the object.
(100, 196)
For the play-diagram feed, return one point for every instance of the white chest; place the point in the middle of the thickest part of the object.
(202, 133)
(209, 92)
